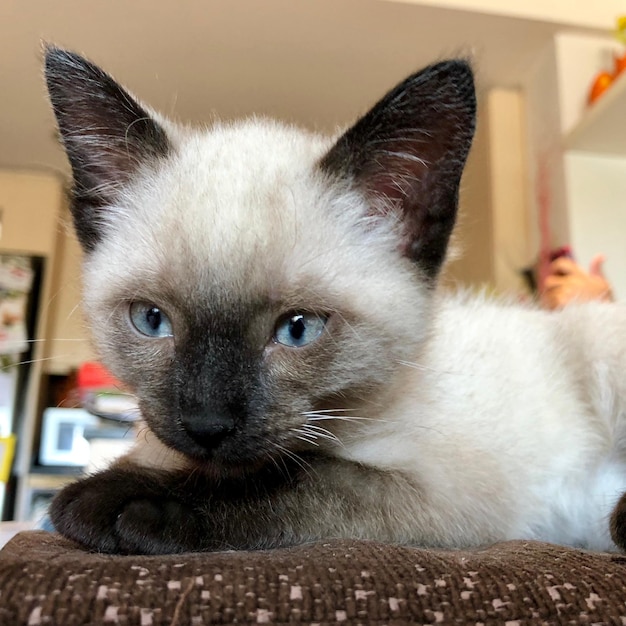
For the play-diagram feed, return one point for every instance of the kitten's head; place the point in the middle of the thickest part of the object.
(240, 277)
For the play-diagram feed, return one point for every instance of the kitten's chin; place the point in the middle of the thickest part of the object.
(219, 469)
(221, 464)
(230, 458)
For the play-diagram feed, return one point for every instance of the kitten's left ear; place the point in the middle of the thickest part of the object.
(407, 154)
(107, 134)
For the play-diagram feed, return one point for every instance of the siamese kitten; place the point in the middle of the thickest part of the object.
(270, 297)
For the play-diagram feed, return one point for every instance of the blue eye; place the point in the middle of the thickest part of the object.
(299, 329)
(149, 320)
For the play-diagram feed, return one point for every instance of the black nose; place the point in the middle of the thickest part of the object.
(208, 429)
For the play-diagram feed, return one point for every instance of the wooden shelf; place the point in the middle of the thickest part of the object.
(602, 129)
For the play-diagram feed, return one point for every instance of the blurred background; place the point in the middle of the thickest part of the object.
(547, 169)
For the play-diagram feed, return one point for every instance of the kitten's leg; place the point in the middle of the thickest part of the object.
(618, 524)
(133, 509)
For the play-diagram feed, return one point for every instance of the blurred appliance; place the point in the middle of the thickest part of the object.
(63, 441)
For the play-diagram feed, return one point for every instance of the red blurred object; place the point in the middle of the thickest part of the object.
(92, 375)
(563, 251)
(103, 395)
(620, 65)
(601, 83)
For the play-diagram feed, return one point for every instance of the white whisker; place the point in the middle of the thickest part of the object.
(417, 366)
(294, 457)
(303, 438)
(303, 432)
(74, 309)
(28, 362)
(344, 418)
(312, 416)
(318, 431)
(17, 341)
(326, 411)
(284, 470)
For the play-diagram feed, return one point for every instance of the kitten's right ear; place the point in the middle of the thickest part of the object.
(106, 133)
(407, 155)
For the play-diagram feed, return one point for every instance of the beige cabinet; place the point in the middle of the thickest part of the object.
(30, 205)
(491, 239)
(34, 220)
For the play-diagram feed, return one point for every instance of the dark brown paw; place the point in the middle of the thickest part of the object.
(128, 512)
(162, 526)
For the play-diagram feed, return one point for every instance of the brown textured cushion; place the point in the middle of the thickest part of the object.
(45, 579)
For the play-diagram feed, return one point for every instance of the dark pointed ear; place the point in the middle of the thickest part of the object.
(107, 135)
(407, 154)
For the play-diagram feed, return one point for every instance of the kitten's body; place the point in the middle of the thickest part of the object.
(412, 417)
(551, 467)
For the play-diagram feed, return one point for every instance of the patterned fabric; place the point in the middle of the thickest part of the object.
(45, 579)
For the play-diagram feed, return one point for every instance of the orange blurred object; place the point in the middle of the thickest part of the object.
(600, 84)
(620, 65)
(93, 375)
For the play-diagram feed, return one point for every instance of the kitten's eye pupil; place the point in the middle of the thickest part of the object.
(297, 327)
(153, 317)
(296, 330)
(150, 320)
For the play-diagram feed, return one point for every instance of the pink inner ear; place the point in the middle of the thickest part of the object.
(397, 174)
(422, 196)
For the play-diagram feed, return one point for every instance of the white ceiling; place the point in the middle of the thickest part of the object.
(314, 62)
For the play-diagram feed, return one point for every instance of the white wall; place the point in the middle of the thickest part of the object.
(546, 175)
(595, 183)
(597, 207)
(579, 58)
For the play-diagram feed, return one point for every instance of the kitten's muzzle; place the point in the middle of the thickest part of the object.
(208, 429)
